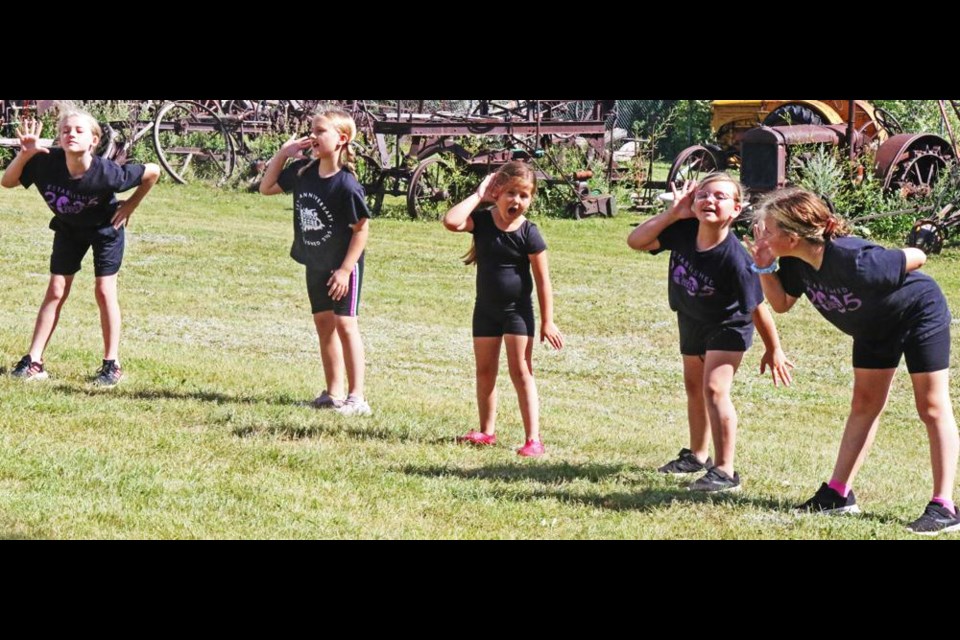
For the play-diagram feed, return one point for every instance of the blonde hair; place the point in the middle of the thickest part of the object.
(802, 214)
(514, 171)
(68, 110)
(343, 124)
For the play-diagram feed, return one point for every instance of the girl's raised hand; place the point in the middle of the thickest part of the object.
(550, 333)
(683, 200)
(762, 255)
(29, 134)
(482, 190)
(294, 147)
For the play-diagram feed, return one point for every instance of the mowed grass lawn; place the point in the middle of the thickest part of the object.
(210, 434)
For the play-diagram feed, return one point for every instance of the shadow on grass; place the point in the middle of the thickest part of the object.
(17, 536)
(215, 397)
(358, 429)
(554, 475)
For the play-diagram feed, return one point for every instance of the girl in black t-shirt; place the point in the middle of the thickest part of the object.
(80, 189)
(505, 247)
(718, 300)
(876, 296)
(329, 237)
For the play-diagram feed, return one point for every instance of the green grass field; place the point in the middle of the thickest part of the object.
(210, 434)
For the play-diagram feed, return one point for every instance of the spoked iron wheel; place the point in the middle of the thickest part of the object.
(192, 143)
(692, 163)
(912, 163)
(371, 178)
(433, 188)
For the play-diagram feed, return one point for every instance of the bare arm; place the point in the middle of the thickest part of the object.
(644, 237)
(339, 281)
(292, 148)
(779, 300)
(541, 275)
(457, 219)
(773, 355)
(151, 173)
(29, 147)
(915, 258)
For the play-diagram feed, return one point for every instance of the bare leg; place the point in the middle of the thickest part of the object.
(487, 353)
(719, 369)
(697, 419)
(331, 353)
(105, 291)
(353, 356)
(49, 315)
(520, 365)
(871, 388)
(932, 394)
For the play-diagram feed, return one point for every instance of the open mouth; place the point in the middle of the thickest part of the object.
(513, 210)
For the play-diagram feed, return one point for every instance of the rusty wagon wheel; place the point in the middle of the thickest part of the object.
(192, 143)
(433, 188)
(911, 163)
(691, 164)
(371, 178)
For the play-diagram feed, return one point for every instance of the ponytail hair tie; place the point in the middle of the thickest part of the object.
(830, 227)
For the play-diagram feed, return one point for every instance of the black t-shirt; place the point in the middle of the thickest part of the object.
(85, 202)
(323, 210)
(864, 290)
(503, 259)
(714, 286)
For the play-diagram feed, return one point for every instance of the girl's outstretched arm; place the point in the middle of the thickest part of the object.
(773, 357)
(541, 275)
(339, 281)
(458, 218)
(292, 148)
(151, 173)
(29, 134)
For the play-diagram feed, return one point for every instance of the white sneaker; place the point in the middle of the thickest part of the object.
(354, 406)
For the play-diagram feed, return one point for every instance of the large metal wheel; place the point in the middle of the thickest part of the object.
(433, 188)
(192, 143)
(691, 164)
(371, 178)
(793, 113)
(911, 163)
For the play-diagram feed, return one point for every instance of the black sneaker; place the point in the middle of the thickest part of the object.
(715, 480)
(827, 500)
(935, 519)
(686, 462)
(109, 374)
(27, 369)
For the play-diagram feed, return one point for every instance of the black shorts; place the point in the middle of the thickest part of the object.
(493, 321)
(696, 337)
(320, 300)
(70, 245)
(928, 353)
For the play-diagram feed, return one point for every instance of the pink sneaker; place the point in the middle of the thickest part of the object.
(532, 449)
(477, 437)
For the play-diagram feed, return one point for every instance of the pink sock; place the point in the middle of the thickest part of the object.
(839, 487)
(946, 504)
